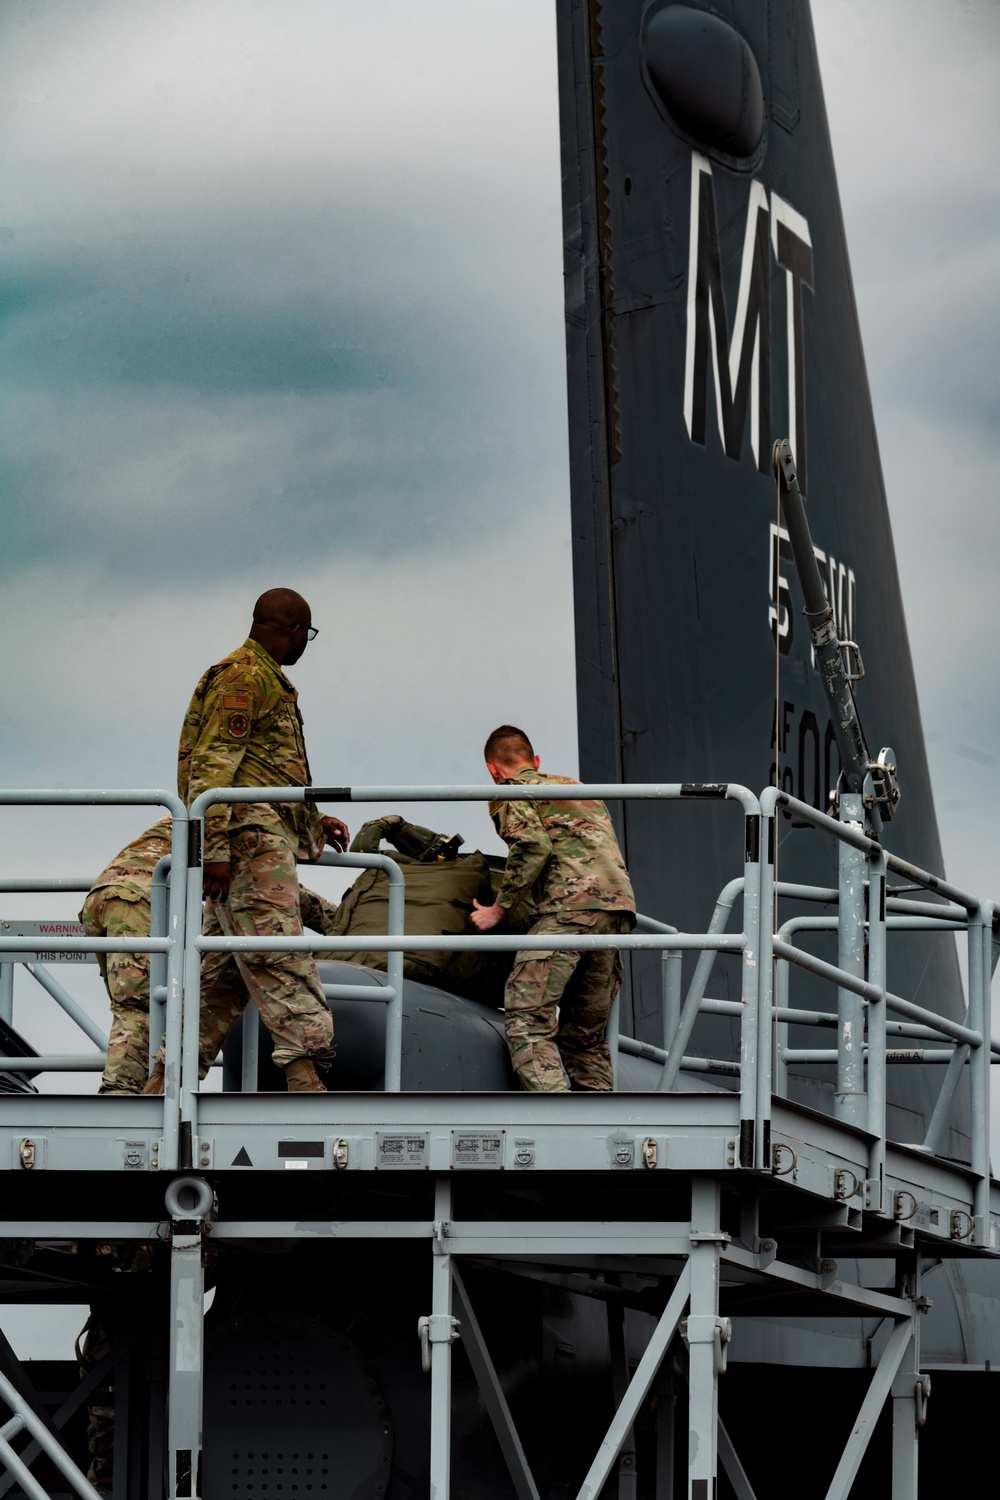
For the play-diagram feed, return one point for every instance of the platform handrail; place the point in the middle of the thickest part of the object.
(176, 945)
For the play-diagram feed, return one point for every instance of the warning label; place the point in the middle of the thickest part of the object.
(398, 1148)
(43, 930)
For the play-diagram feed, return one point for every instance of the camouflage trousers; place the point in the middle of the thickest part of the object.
(556, 1007)
(109, 912)
(264, 902)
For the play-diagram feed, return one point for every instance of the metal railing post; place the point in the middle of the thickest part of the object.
(979, 1072)
(696, 989)
(671, 974)
(159, 898)
(750, 992)
(875, 1192)
(250, 1050)
(849, 1098)
(671, 977)
(781, 985)
(760, 1144)
(611, 1035)
(186, 909)
(394, 972)
(394, 960)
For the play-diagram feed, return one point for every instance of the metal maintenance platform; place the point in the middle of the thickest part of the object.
(684, 1205)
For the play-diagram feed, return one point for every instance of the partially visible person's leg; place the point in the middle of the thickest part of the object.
(126, 978)
(264, 902)
(586, 1005)
(531, 999)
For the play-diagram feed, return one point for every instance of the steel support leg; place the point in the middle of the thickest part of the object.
(909, 1394)
(620, 1384)
(186, 1341)
(123, 1431)
(492, 1392)
(704, 1337)
(849, 1101)
(638, 1389)
(666, 1395)
(441, 1334)
(871, 1407)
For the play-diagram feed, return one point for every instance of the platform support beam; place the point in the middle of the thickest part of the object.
(618, 1349)
(441, 1334)
(705, 1339)
(638, 1388)
(191, 1196)
(666, 1396)
(910, 1390)
(871, 1407)
(492, 1392)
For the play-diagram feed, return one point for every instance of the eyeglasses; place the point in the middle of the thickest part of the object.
(311, 631)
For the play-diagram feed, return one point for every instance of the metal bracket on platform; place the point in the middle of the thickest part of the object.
(442, 1229)
(439, 1328)
(704, 1329)
(922, 1395)
(765, 1251)
(846, 1184)
(779, 1153)
(827, 1271)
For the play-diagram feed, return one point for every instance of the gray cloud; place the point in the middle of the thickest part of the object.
(285, 283)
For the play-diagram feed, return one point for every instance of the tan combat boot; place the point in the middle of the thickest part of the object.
(154, 1083)
(301, 1077)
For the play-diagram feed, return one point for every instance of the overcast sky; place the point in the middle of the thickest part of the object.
(281, 303)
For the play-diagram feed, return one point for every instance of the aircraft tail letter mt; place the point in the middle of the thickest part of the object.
(741, 369)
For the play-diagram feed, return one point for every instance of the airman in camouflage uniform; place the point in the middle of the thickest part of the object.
(118, 905)
(556, 1004)
(243, 728)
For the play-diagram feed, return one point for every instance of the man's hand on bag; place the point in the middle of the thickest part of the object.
(484, 918)
(337, 834)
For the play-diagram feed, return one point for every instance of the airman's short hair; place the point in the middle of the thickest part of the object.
(507, 745)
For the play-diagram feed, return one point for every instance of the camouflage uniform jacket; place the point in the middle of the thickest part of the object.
(243, 728)
(567, 851)
(131, 871)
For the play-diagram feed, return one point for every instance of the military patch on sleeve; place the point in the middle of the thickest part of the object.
(239, 726)
(236, 700)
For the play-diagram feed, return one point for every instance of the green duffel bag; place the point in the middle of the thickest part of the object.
(439, 899)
